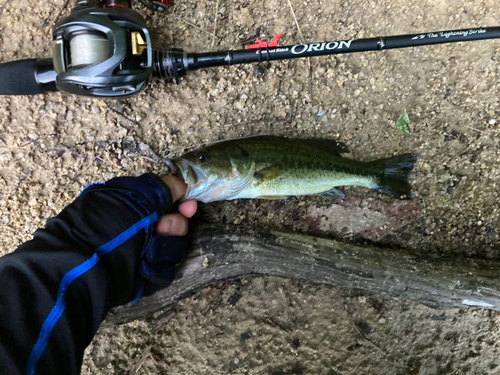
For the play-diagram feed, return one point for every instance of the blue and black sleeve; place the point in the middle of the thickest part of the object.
(96, 254)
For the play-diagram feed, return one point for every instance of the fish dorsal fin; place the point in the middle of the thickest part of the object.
(269, 173)
(326, 145)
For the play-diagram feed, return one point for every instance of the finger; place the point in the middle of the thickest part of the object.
(188, 209)
(176, 186)
(172, 225)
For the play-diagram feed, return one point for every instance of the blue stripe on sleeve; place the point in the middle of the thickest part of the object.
(138, 296)
(89, 185)
(76, 272)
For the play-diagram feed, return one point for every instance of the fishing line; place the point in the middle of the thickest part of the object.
(88, 49)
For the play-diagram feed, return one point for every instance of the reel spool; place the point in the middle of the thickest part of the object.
(104, 52)
(87, 49)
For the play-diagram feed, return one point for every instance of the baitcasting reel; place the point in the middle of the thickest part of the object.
(103, 49)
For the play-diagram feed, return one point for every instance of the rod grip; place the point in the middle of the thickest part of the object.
(19, 78)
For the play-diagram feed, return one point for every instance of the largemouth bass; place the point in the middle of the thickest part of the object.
(275, 167)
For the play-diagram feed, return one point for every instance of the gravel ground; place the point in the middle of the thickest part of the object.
(54, 145)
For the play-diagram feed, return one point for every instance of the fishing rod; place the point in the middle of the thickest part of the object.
(103, 49)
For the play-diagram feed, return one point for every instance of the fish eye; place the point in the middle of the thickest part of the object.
(202, 158)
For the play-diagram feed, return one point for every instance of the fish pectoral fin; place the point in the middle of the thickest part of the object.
(269, 173)
(332, 194)
(272, 197)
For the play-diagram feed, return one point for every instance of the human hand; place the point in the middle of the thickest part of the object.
(176, 224)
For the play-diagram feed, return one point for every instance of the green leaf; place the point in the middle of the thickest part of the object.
(403, 123)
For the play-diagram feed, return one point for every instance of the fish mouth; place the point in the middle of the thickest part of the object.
(171, 166)
(208, 187)
(192, 174)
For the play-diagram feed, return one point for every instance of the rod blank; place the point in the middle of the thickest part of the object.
(195, 61)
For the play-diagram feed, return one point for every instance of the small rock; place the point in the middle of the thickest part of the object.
(128, 143)
(364, 328)
(455, 184)
(354, 347)
(245, 18)
(442, 317)
(234, 299)
(259, 71)
(355, 70)
(450, 135)
(143, 148)
(245, 337)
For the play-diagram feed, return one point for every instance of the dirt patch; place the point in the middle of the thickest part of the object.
(371, 219)
(52, 146)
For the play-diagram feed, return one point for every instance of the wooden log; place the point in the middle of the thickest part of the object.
(226, 252)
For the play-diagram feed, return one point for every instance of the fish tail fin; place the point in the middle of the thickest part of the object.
(395, 172)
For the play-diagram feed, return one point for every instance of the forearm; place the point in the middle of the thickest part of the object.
(57, 288)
